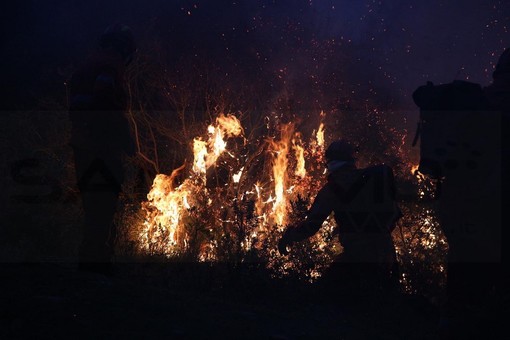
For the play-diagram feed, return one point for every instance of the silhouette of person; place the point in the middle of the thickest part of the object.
(100, 138)
(465, 139)
(365, 210)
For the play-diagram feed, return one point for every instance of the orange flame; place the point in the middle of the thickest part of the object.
(414, 169)
(320, 135)
(164, 210)
(300, 157)
(280, 164)
(200, 154)
(226, 126)
(168, 207)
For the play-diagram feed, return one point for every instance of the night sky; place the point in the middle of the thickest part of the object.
(391, 45)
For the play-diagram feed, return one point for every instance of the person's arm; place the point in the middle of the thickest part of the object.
(321, 208)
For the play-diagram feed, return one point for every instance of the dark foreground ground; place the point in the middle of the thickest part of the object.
(54, 301)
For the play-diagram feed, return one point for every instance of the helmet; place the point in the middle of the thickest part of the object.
(119, 37)
(340, 150)
(503, 65)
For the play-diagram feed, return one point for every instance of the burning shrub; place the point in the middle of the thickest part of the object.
(249, 161)
(239, 195)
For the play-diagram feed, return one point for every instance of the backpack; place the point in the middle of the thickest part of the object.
(370, 200)
(449, 116)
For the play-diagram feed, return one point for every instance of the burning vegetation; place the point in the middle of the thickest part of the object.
(224, 176)
(237, 197)
(233, 201)
(233, 144)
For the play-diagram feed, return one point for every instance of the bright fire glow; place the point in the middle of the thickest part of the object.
(320, 135)
(300, 157)
(171, 210)
(280, 150)
(260, 193)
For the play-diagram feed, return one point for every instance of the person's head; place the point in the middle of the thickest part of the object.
(340, 150)
(119, 37)
(503, 66)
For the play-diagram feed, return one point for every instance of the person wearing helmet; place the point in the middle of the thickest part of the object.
(368, 258)
(100, 139)
(498, 92)
(498, 95)
(119, 38)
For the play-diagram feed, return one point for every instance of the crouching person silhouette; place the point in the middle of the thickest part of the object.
(100, 138)
(365, 211)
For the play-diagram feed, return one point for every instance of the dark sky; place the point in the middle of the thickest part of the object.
(396, 45)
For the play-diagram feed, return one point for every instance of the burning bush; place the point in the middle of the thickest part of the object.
(229, 164)
(234, 200)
